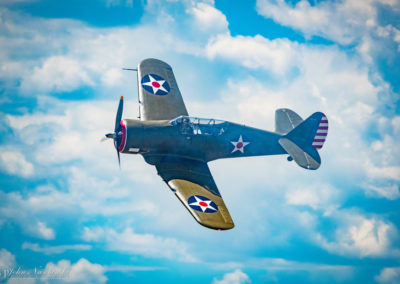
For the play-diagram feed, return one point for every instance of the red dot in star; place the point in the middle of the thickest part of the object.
(203, 204)
(239, 145)
(155, 84)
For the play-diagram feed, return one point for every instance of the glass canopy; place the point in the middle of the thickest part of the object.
(199, 126)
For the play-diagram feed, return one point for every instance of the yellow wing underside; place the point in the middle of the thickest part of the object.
(219, 220)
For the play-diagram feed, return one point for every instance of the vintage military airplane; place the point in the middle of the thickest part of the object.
(180, 146)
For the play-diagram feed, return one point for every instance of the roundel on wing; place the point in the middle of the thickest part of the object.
(155, 84)
(202, 204)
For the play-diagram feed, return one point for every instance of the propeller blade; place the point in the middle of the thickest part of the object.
(119, 160)
(103, 139)
(119, 114)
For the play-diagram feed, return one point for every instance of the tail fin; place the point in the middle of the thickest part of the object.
(303, 141)
(286, 120)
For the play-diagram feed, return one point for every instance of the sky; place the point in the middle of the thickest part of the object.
(67, 210)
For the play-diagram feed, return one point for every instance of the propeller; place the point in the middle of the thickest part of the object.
(117, 134)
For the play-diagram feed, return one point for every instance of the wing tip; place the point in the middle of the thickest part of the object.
(217, 227)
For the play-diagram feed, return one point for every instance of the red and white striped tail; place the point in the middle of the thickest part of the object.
(321, 134)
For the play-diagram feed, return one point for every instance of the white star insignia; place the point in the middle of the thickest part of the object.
(156, 85)
(239, 145)
(203, 204)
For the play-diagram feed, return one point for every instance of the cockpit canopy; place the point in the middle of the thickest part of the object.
(200, 126)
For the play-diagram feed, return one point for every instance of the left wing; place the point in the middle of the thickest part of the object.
(194, 186)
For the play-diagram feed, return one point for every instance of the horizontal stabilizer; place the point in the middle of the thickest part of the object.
(302, 158)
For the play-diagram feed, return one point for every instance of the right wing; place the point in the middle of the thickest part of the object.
(194, 186)
(159, 95)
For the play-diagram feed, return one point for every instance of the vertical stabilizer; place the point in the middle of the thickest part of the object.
(303, 141)
(286, 120)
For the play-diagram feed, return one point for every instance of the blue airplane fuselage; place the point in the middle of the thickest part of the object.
(205, 142)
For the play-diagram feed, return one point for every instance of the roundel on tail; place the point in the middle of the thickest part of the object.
(321, 133)
(155, 84)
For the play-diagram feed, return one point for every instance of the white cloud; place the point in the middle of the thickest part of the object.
(59, 74)
(390, 192)
(208, 17)
(112, 77)
(64, 55)
(390, 275)
(348, 22)
(235, 277)
(396, 125)
(44, 231)
(317, 196)
(54, 249)
(147, 245)
(7, 259)
(15, 163)
(391, 172)
(275, 267)
(83, 271)
(361, 236)
(15, 209)
(343, 22)
(254, 52)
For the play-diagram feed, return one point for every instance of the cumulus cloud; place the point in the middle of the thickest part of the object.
(317, 196)
(128, 241)
(343, 22)
(253, 52)
(7, 259)
(390, 192)
(392, 173)
(235, 277)
(390, 275)
(15, 163)
(208, 17)
(350, 22)
(361, 236)
(44, 231)
(58, 74)
(83, 271)
(13, 208)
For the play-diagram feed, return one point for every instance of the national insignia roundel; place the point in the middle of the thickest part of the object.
(202, 204)
(155, 84)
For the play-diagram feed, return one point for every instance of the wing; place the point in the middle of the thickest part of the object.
(159, 95)
(194, 185)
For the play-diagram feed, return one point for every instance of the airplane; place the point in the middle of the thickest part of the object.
(180, 146)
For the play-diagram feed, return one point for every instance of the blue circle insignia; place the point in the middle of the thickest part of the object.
(202, 204)
(155, 84)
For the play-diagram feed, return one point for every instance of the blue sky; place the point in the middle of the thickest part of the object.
(65, 205)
